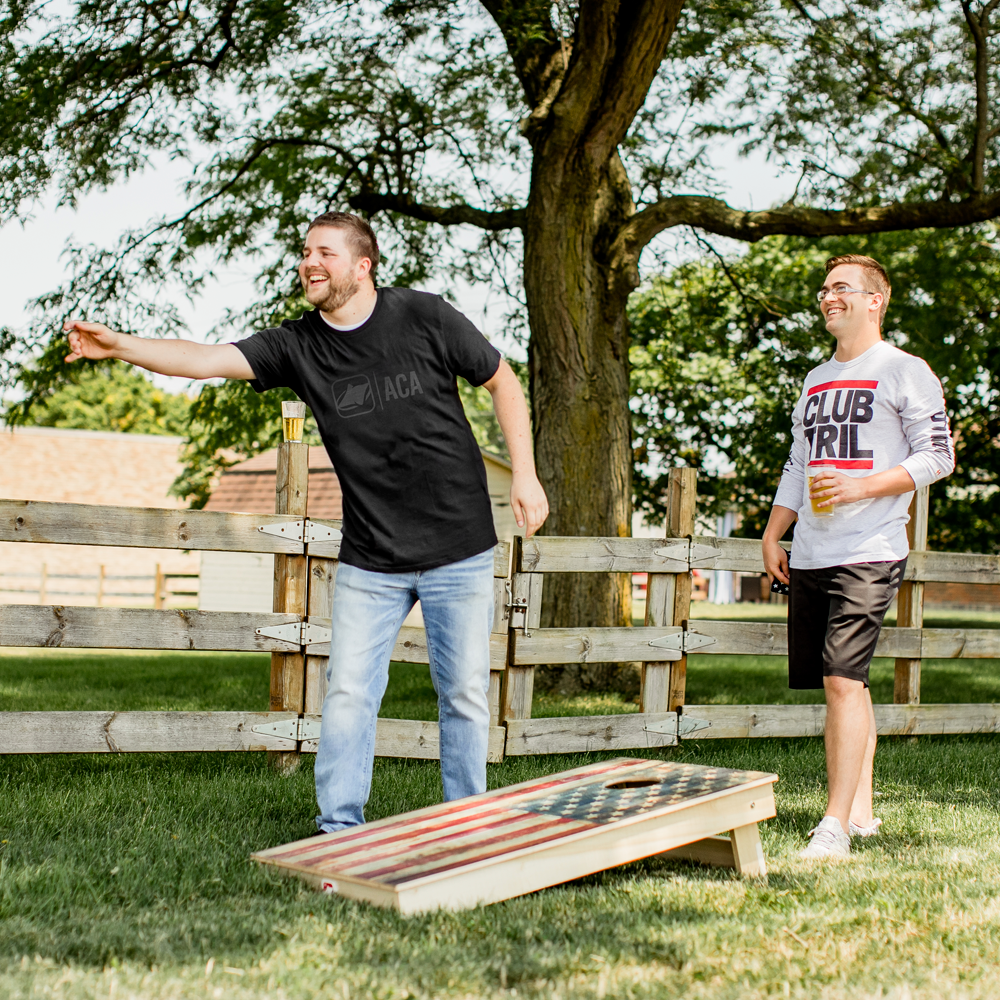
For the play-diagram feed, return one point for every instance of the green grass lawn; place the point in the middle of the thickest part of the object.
(60, 680)
(128, 876)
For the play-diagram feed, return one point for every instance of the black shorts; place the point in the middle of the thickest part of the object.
(834, 618)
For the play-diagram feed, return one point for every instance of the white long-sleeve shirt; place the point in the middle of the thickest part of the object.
(862, 417)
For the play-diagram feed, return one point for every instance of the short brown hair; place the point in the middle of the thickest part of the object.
(874, 274)
(360, 237)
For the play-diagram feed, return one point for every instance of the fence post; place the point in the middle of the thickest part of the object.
(910, 603)
(291, 572)
(518, 683)
(159, 586)
(501, 621)
(668, 599)
(682, 498)
(654, 677)
(322, 579)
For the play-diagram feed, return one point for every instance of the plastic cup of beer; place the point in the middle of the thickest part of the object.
(293, 418)
(817, 511)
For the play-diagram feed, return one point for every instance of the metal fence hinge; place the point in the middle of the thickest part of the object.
(703, 555)
(696, 640)
(309, 729)
(285, 729)
(673, 641)
(687, 724)
(321, 532)
(686, 551)
(300, 633)
(312, 634)
(683, 641)
(665, 727)
(302, 530)
(286, 529)
(294, 730)
(679, 725)
(678, 551)
(292, 632)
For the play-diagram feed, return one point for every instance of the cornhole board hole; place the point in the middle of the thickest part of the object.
(539, 833)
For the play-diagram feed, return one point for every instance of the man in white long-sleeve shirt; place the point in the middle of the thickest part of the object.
(870, 427)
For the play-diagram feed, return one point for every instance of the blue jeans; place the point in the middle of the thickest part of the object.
(368, 610)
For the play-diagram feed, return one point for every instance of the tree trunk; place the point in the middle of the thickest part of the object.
(576, 300)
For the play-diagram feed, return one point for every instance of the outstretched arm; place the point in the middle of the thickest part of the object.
(527, 498)
(167, 357)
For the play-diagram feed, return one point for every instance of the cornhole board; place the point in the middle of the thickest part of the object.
(515, 840)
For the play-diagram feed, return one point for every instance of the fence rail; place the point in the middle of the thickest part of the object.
(176, 732)
(734, 721)
(158, 582)
(567, 554)
(154, 528)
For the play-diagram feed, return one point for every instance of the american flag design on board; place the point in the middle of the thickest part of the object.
(469, 831)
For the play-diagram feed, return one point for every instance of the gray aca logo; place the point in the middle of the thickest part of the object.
(353, 396)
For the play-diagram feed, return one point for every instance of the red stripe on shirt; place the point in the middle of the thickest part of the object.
(844, 463)
(849, 383)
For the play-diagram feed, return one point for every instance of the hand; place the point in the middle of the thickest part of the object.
(91, 340)
(528, 501)
(775, 561)
(836, 488)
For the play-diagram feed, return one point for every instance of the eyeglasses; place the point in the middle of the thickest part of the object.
(840, 290)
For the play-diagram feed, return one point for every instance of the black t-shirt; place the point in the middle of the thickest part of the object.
(386, 402)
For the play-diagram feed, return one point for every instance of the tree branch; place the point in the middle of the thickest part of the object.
(801, 8)
(979, 29)
(538, 52)
(454, 215)
(714, 216)
(625, 42)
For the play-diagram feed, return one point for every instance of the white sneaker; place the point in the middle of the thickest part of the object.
(864, 831)
(828, 840)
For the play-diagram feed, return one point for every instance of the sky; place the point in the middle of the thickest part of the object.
(33, 261)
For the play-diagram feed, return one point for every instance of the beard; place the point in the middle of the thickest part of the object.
(337, 294)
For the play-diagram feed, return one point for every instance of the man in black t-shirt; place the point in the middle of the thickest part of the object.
(378, 369)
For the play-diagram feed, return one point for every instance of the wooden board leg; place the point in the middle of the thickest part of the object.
(518, 687)
(747, 851)
(716, 851)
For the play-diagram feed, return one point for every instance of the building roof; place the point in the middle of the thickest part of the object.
(248, 487)
(92, 467)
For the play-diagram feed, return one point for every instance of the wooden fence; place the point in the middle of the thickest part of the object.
(297, 634)
(159, 588)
